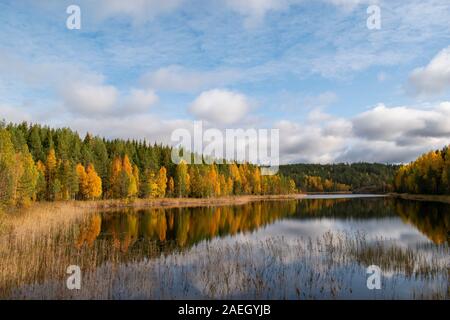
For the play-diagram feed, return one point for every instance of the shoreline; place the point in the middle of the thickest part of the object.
(422, 197)
(157, 202)
(111, 204)
(40, 217)
(184, 202)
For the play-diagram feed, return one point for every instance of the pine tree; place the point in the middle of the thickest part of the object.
(41, 185)
(35, 144)
(68, 177)
(52, 187)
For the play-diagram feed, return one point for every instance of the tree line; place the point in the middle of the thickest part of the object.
(356, 177)
(39, 163)
(428, 174)
(317, 184)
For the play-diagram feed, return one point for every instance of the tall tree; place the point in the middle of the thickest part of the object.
(162, 182)
(7, 161)
(182, 179)
(26, 187)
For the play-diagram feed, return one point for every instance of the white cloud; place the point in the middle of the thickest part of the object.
(138, 10)
(383, 151)
(398, 134)
(381, 134)
(254, 11)
(179, 79)
(434, 78)
(13, 114)
(351, 4)
(139, 101)
(220, 106)
(78, 89)
(89, 98)
(318, 142)
(383, 123)
(105, 100)
(134, 126)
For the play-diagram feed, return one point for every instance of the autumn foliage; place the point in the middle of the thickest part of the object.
(39, 163)
(429, 174)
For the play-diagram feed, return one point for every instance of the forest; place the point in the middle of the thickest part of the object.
(39, 163)
(355, 177)
(429, 174)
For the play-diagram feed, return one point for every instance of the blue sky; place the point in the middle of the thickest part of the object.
(140, 69)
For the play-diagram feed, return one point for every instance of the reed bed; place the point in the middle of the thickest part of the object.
(332, 266)
(41, 219)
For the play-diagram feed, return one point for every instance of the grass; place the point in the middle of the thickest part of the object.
(42, 218)
(330, 267)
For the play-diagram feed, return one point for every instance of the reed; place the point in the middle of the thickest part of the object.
(328, 267)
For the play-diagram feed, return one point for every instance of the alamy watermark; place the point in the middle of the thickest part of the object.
(374, 278)
(374, 20)
(255, 146)
(74, 280)
(73, 21)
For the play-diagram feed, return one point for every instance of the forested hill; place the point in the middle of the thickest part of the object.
(42, 163)
(356, 177)
(428, 174)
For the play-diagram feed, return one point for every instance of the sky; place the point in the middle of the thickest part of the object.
(337, 90)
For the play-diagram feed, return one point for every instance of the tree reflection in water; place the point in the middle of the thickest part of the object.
(184, 227)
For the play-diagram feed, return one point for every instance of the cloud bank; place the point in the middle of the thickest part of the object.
(434, 78)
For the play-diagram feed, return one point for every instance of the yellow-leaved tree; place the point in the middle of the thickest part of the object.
(152, 182)
(94, 183)
(114, 179)
(128, 183)
(90, 184)
(182, 180)
(124, 179)
(82, 181)
(171, 187)
(162, 182)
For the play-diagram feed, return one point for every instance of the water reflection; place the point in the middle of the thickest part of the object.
(306, 249)
(432, 219)
(184, 227)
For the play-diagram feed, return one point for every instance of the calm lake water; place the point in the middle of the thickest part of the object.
(315, 248)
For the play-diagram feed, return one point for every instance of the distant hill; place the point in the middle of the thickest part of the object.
(358, 177)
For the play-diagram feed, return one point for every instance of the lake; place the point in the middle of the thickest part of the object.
(318, 247)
